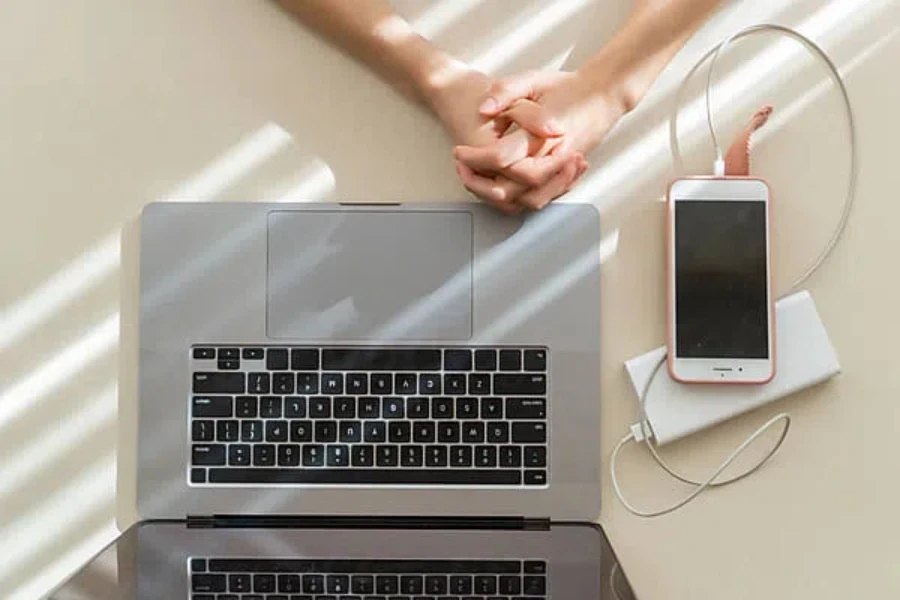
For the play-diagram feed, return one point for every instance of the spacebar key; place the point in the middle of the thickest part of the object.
(368, 476)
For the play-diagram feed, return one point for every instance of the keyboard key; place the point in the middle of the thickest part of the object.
(203, 431)
(510, 456)
(289, 584)
(375, 432)
(436, 584)
(263, 584)
(381, 383)
(436, 456)
(218, 383)
(529, 433)
(480, 384)
(320, 407)
(510, 360)
(326, 431)
(357, 384)
(526, 384)
(208, 582)
(350, 432)
(411, 584)
(264, 455)
(392, 407)
(258, 383)
(204, 353)
(485, 585)
(417, 408)
(289, 455)
(510, 585)
(344, 407)
(251, 431)
(277, 359)
(535, 567)
(295, 407)
(473, 433)
(406, 384)
(227, 431)
(411, 456)
(240, 582)
(229, 354)
(337, 584)
(301, 431)
(485, 360)
(276, 431)
(304, 359)
(400, 432)
(442, 408)
(246, 407)
(253, 353)
(461, 456)
(198, 565)
(423, 432)
(362, 584)
(360, 476)
(498, 432)
(207, 455)
(211, 406)
(307, 383)
(429, 384)
(387, 584)
(239, 455)
(332, 383)
(535, 477)
(526, 408)
(270, 407)
(363, 456)
(486, 456)
(535, 360)
(457, 360)
(387, 456)
(337, 455)
(455, 384)
(491, 408)
(313, 456)
(229, 365)
(378, 359)
(283, 383)
(535, 456)
(369, 408)
(461, 584)
(466, 408)
(534, 586)
(448, 432)
(313, 584)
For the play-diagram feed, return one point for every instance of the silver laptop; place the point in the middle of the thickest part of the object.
(357, 401)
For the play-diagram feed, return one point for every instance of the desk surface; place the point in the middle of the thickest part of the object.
(105, 107)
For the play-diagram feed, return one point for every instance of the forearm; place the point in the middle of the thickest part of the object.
(372, 33)
(655, 32)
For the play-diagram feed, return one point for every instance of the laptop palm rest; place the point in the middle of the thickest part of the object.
(379, 275)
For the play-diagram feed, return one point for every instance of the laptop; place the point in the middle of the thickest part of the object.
(339, 402)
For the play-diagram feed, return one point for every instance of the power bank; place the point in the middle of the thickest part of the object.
(804, 357)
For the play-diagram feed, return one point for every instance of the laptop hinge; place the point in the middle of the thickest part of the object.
(364, 522)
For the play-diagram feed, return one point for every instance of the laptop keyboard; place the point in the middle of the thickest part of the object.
(292, 579)
(368, 416)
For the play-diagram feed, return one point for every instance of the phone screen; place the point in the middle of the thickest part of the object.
(721, 283)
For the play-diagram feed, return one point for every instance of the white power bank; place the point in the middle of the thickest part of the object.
(804, 357)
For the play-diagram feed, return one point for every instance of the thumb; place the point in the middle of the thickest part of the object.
(508, 90)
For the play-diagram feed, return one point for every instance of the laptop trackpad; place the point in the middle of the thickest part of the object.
(373, 276)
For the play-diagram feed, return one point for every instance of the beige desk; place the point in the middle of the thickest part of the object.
(105, 105)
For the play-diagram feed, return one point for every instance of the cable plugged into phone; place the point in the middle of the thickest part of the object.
(804, 354)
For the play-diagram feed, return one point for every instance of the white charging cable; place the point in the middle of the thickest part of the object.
(641, 431)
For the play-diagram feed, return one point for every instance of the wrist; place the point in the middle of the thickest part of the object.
(609, 84)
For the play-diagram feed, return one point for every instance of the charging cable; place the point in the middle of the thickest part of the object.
(641, 431)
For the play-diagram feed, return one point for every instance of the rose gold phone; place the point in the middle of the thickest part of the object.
(720, 309)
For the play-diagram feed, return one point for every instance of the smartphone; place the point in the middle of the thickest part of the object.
(720, 310)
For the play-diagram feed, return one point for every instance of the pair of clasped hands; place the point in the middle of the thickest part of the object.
(521, 140)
